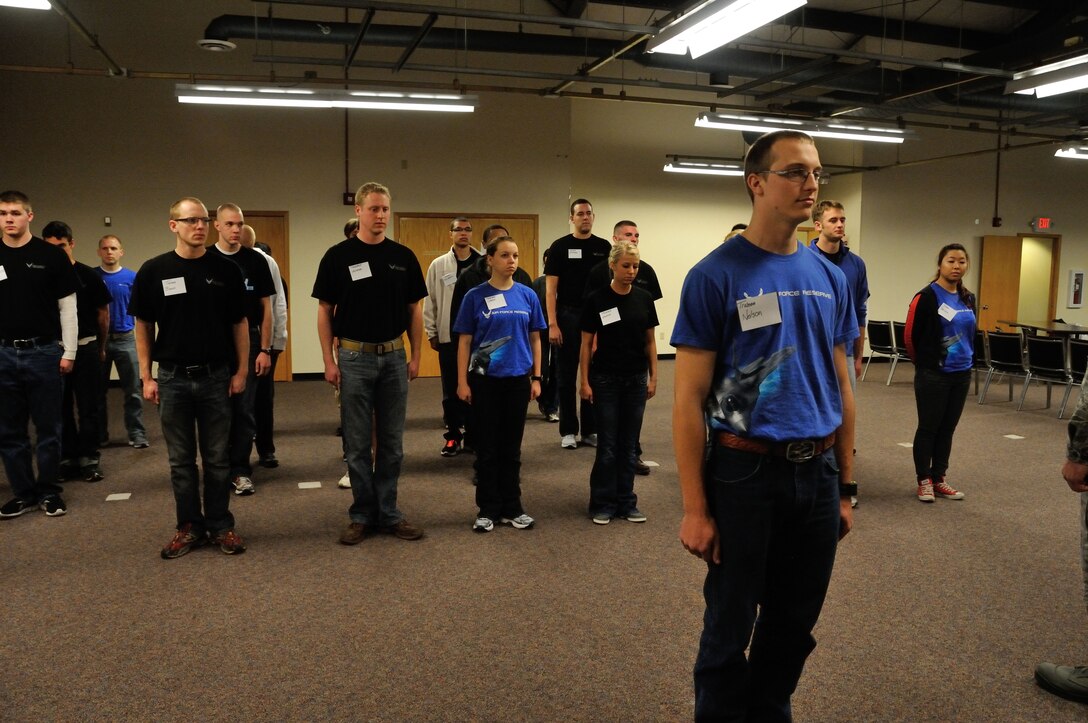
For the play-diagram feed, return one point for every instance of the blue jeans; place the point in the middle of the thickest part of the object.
(31, 389)
(778, 525)
(619, 401)
(373, 390)
(192, 410)
(121, 350)
(243, 424)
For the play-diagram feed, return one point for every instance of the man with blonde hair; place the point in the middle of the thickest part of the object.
(356, 278)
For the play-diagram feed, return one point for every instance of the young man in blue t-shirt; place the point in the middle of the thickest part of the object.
(761, 341)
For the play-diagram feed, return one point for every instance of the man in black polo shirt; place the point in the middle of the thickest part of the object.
(79, 442)
(37, 311)
(196, 300)
(569, 261)
(258, 308)
(369, 290)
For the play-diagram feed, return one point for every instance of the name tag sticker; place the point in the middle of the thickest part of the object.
(574, 253)
(947, 312)
(759, 311)
(360, 271)
(449, 278)
(3, 273)
(495, 302)
(610, 316)
(173, 287)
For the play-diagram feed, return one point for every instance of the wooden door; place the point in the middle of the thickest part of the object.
(428, 235)
(999, 281)
(271, 228)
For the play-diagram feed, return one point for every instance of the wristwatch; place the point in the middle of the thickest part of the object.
(267, 351)
(536, 378)
(848, 489)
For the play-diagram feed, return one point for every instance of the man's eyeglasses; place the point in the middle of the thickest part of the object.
(800, 175)
(194, 220)
(462, 229)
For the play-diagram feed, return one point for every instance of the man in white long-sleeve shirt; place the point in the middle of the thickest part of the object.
(266, 391)
(37, 345)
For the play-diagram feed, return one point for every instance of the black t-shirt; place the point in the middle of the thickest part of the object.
(258, 280)
(464, 263)
(601, 276)
(571, 259)
(370, 286)
(32, 278)
(92, 295)
(194, 302)
(621, 335)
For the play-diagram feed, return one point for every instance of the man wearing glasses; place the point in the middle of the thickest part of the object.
(195, 301)
(442, 277)
(762, 333)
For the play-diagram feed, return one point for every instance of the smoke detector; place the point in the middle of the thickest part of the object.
(215, 45)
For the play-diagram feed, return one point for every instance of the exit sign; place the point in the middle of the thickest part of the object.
(1041, 223)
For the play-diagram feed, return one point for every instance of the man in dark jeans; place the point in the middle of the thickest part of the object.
(258, 309)
(765, 506)
(79, 439)
(37, 346)
(195, 299)
(570, 259)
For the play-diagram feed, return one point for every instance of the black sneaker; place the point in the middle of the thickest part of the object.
(91, 473)
(17, 507)
(450, 448)
(269, 460)
(139, 443)
(54, 506)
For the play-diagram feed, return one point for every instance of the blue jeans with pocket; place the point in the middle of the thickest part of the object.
(373, 391)
(195, 412)
(121, 350)
(778, 526)
(31, 390)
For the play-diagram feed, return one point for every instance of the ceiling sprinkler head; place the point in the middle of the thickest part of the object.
(215, 45)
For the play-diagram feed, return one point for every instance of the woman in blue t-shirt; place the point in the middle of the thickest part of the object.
(619, 373)
(498, 374)
(940, 337)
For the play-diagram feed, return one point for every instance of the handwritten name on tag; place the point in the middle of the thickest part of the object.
(610, 316)
(495, 302)
(757, 312)
(360, 271)
(173, 287)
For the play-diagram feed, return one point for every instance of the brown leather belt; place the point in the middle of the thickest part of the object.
(364, 346)
(801, 450)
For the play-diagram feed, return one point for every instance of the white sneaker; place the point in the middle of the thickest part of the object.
(344, 483)
(521, 522)
(483, 524)
(569, 442)
(590, 440)
(243, 485)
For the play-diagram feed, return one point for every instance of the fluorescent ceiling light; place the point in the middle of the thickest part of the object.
(713, 23)
(27, 4)
(703, 166)
(320, 98)
(817, 129)
(1080, 152)
(1053, 79)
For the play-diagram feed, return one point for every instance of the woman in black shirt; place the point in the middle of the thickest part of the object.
(618, 376)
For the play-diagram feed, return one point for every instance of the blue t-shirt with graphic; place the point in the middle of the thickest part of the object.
(957, 329)
(500, 323)
(774, 381)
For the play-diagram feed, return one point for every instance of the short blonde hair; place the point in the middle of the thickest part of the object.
(622, 248)
(368, 188)
(184, 199)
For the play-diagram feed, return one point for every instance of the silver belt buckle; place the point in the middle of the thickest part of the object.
(802, 451)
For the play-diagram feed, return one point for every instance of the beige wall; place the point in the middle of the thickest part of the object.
(84, 148)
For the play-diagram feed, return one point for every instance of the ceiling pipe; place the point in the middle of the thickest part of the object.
(115, 70)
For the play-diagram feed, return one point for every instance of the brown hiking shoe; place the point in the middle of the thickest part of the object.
(404, 530)
(184, 540)
(229, 542)
(354, 534)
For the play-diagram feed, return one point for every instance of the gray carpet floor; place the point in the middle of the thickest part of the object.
(936, 612)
